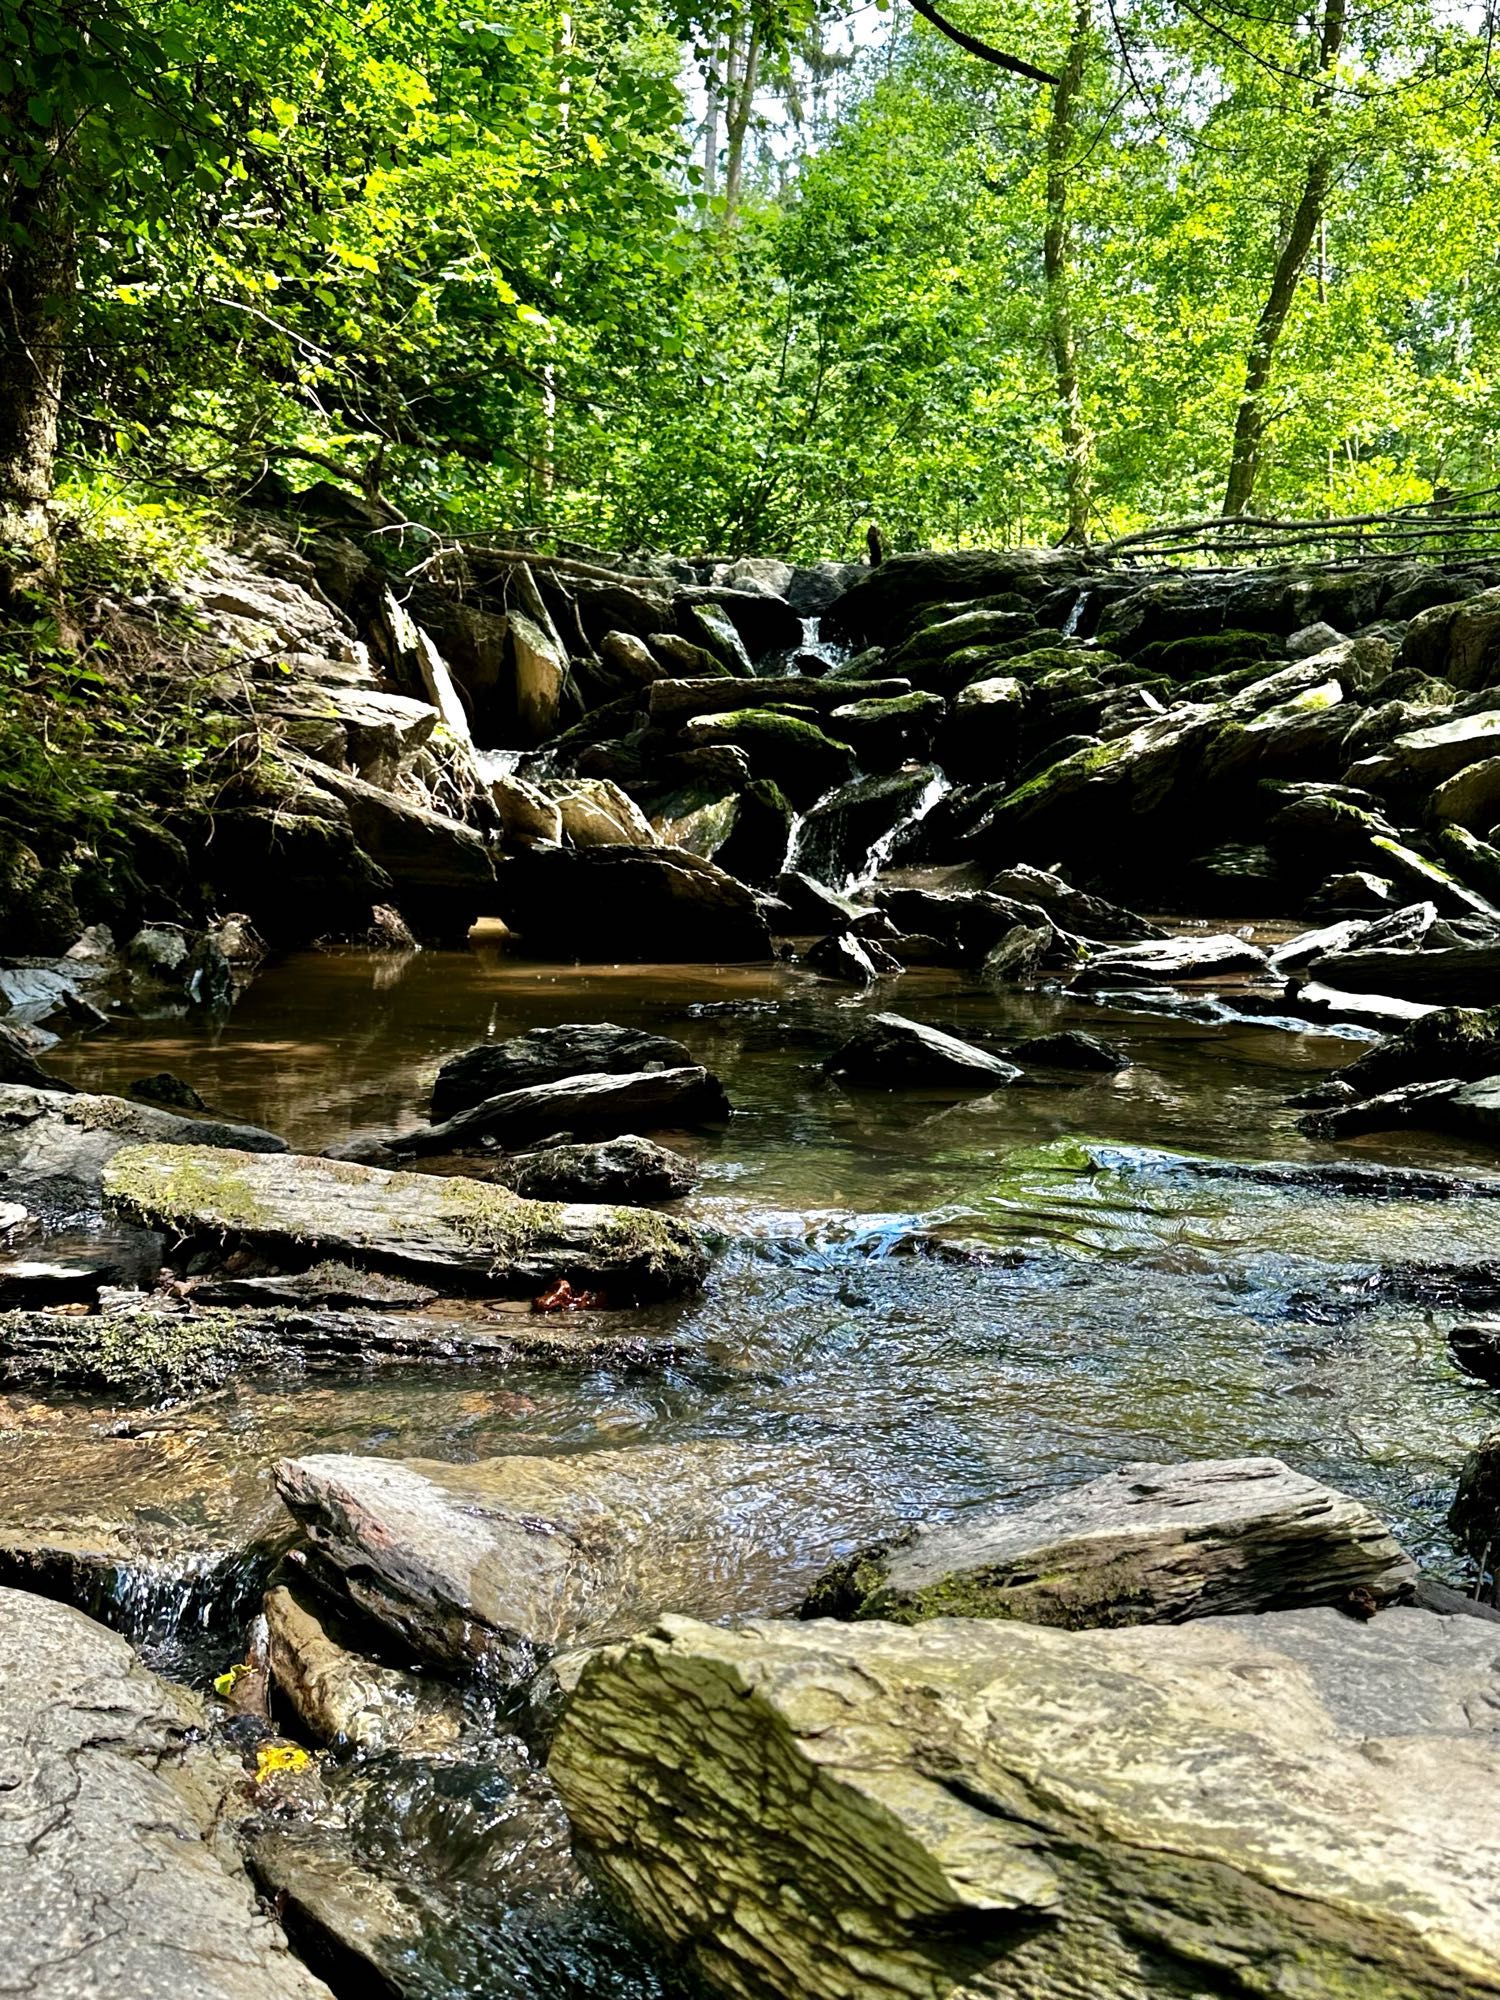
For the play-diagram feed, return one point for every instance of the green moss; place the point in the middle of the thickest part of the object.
(175, 1187)
(151, 1355)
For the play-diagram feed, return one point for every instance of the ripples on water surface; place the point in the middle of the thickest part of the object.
(1109, 1303)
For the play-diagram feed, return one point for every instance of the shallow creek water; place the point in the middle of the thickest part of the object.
(1109, 1303)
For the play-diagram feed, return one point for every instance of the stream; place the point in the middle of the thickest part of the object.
(920, 1304)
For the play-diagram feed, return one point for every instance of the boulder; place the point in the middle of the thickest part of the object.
(1475, 1514)
(627, 1169)
(1220, 956)
(539, 671)
(629, 654)
(1449, 1041)
(1475, 1348)
(586, 1105)
(882, 733)
(116, 1868)
(526, 811)
(502, 1562)
(1456, 976)
(629, 903)
(1424, 1104)
(1475, 861)
(854, 960)
(544, 1055)
(672, 702)
(710, 626)
(461, 1233)
(56, 1134)
(19, 1065)
(796, 756)
(1296, 1803)
(983, 736)
(338, 1695)
(890, 1052)
(595, 812)
(1070, 1048)
(1470, 798)
(1089, 916)
(837, 838)
(1149, 1544)
(1427, 756)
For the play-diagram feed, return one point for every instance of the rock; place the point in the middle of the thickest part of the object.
(1312, 639)
(1365, 1010)
(1475, 1348)
(890, 1051)
(629, 654)
(1447, 1042)
(1432, 754)
(1475, 1514)
(67, 1135)
(1409, 1104)
(672, 702)
(321, 1285)
(19, 1065)
(1475, 1108)
(856, 961)
(627, 1169)
(167, 1089)
(502, 1562)
(838, 836)
(594, 812)
(754, 841)
(1303, 949)
(1218, 956)
(1476, 861)
(1354, 894)
(814, 906)
(1423, 877)
(710, 626)
(882, 733)
(655, 1099)
(456, 1231)
(1470, 798)
(526, 812)
(796, 756)
(1072, 800)
(629, 903)
(1149, 1544)
(116, 1869)
(983, 737)
(1071, 1048)
(1089, 916)
(339, 1696)
(1460, 975)
(544, 1055)
(539, 670)
(440, 870)
(1020, 954)
(998, 1810)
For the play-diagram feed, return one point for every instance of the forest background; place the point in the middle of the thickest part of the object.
(742, 281)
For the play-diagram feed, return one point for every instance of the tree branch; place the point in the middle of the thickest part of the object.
(984, 50)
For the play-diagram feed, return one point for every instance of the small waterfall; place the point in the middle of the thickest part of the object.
(1075, 614)
(793, 862)
(937, 787)
(493, 764)
(816, 654)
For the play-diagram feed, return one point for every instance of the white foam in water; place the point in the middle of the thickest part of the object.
(493, 764)
(1075, 616)
(937, 787)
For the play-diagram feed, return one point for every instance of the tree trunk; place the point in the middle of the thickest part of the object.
(1078, 444)
(744, 75)
(1306, 224)
(37, 267)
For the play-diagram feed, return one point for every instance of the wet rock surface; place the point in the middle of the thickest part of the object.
(891, 1051)
(546, 1055)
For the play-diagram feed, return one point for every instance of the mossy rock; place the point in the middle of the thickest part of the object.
(1209, 653)
(791, 753)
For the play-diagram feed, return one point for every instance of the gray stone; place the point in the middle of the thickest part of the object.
(625, 1169)
(1220, 956)
(1475, 1347)
(1457, 976)
(1090, 916)
(454, 1230)
(1470, 798)
(1147, 1544)
(596, 812)
(890, 1051)
(1295, 1803)
(854, 960)
(673, 701)
(504, 1561)
(543, 1055)
(56, 1134)
(589, 1105)
(338, 1695)
(117, 1872)
(1070, 1048)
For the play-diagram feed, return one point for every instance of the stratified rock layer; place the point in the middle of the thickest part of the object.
(1291, 1805)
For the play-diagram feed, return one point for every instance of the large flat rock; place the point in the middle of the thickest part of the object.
(1147, 1543)
(653, 1100)
(464, 1232)
(546, 1055)
(509, 1559)
(70, 1135)
(1295, 1804)
(116, 1876)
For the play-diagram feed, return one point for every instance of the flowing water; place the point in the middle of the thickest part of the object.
(920, 1304)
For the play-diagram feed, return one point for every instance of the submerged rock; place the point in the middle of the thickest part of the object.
(1071, 1048)
(1284, 1803)
(117, 1872)
(890, 1050)
(459, 1232)
(583, 1104)
(337, 1694)
(627, 1169)
(504, 1561)
(1147, 1544)
(543, 1055)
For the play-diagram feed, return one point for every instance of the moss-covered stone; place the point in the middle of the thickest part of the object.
(1451, 1041)
(795, 755)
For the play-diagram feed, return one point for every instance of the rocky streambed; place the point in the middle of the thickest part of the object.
(949, 1417)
